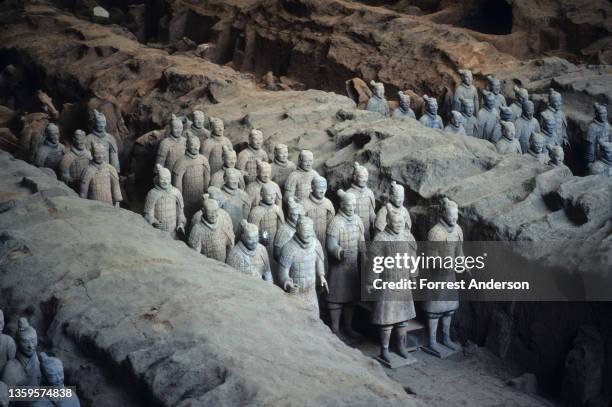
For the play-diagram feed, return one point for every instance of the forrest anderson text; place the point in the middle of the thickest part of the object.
(425, 284)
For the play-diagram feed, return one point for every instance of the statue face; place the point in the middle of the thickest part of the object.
(528, 111)
(496, 87)
(55, 378)
(456, 121)
(468, 109)
(550, 126)
(281, 155)
(164, 180)
(294, 214)
(467, 78)
(217, 128)
(379, 91)
(396, 198)
(601, 114)
(100, 123)
(79, 142)
(348, 206)
(264, 173)
(306, 161)
(305, 232)
(558, 156)
(555, 102)
(319, 189)
(606, 153)
(232, 181)
(27, 344)
(397, 224)
(360, 178)
(268, 196)
(193, 145)
(177, 128)
(451, 215)
(405, 103)
(98, 155)
(53, 135)
(489, 101)
(198, 119)
(250, 238)
(432, 107)
(211, 215)
(537, 146)
(229, 160)
(255, 140)
(508, 132)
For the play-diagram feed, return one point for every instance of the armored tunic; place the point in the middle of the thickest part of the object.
(506, 146)
(517, 110)
(400, 113)
(22, 371)
(524, 129)
(212, 240)
(251, 262)
(550, 139)
(191, 175)
(458, 130)
(225, 222)
(110, 146)
(394, 306)
(470, 125)
(284, 234)
(486, 122)
(381, 217)
(217, 179)
(268, 219)
(449, 242)
(303, 263)
(50, 156)
(200, 132)
(322, 212)
(596, 132)
(281, 171)
(500, 101)
(467, 92)
(170, 150)
(237, 204)
(72, 166)
(431, 121)
(344, 232)
(7, 350)
(254, 191)
(541, 157)
(166, 207)
(378, 105)
(365, 207)
(212, 149)
(298, 184)
(100, 182)
(247, 162)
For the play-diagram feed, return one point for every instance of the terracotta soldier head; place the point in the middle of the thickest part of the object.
(554, 99)
(52, 134)
(557, 155)
(27, 339)
(78, 139)
(281, 153)
(431, 105)
(549, 123)
(450, 212)
(217, 126)
(176, 126)
(489, 99)
(379, 89)
(466, 76)
(494, 84)
(601, 112)
(536, 143)
(268, 194)
(305, 229)
(264, 171)
(505, 113)
(395, 221)
(528, 109)
(210, 209)
(193, 145)
(52, 370)
(521, 95)
(318, 186)
(360, 175)
(98, 153)
(294, 210)
(215, 194)
(396, 195)
(404, 100)
(163, 178)
(229, 157)
(508, 130)
(250, 235)
(605, 151)
(231, 178)
(255, 139)
(99, 123)
(456, 118)
(198, 119)
(348, 202)
(467, 107)
(305, 160)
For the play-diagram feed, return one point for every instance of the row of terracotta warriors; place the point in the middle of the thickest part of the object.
(512, 128)
(22, 366)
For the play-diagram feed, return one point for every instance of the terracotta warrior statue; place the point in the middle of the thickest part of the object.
(465, 90)
(318, 208)
(469, 120)
(230, 158)
(264, 177)
(299, 181)
(210, 236)
(198, 126)
(50, 153)
(396, 204)
(172, 147)
(236, 202)
(268, 217)
(603, 165)
(344, 235)
(549, 129)
(494, 86)
(53, 375)
(212, 148)
(281, 166)
(364, 196)
(301, 263)
(247, 159)
(75, 161)
(508, 144)
(100, 181)
(191, 175)
(447, 238)
(537, 148)
(24, 370)
(403, 111)
(526, 124)
(599, 129)
(555, 104)
(164, 206)
(431, 118)
(377, 102)
(287, 230)
(7, 345)
(99, 135)
(505, 115)
(393, 308)
(488, 117)
(557, 155)
(520, 96)
(249, 256)
(225, 221)
(455, 125)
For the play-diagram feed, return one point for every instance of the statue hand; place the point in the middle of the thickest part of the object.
(159, 225)
(289, 286)
(324, 284)
(180, 230)
(340, 253)
(117, 204)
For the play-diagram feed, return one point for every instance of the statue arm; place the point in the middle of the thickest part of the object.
(381, 219)
(242, 160)
(284, 264)
(177, 176)
(85, 180)
(195, 240)
(161, 154)
(206, 170)
(267, 274)
(333, 247)
(149, 208)
(114, 156)
(180, 210)
(290, 185)
(115, 186)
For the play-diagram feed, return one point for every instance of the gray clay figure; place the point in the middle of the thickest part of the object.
(100, 181)
(469, 119)
(299, 181)
(396, 204)
(403, 111)
(455, 125)
(173, 146)
(264, 177)
(247, 159)
(465, 90)
(209, 235)
(430, 117)
(164, 208)
(51, 151)
(191, 176)
(377, 103)
(521, 95)
(75, 161)
(99, 135)
(281, 165)
(248, 256)
(212, 148)
(508, 144)
(364, 196)
(526, 125)
(488, 117)
(24, 369)
(230, 158)
(236, 202)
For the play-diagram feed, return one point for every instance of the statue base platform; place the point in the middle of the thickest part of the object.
(396, 361)
(443, 351)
